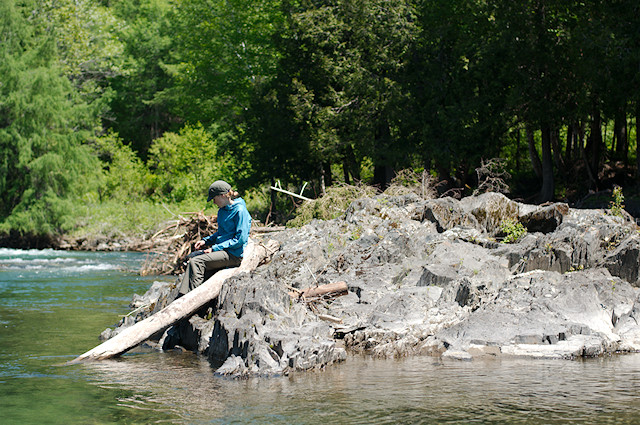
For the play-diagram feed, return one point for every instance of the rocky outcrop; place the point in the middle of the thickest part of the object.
(429, 277)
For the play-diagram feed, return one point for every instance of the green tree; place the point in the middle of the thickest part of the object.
(140, 110)
(44, 165)
(534, 42)
(224, 49)
(184, 164)
(460, 111)
(86, 37)
(338, 96)
(126, 177)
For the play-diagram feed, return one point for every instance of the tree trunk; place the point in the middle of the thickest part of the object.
(328, 175)
(323, 186)
(354, 166)
(568, 153)
(181, 308)
(345, 170)
(594, 146)
(620, 135)
(274, 198)
(547, 192)
(382, 170)
(533, 153)
(518, 149)
(583, 155)
(557, 151)
(382, 175)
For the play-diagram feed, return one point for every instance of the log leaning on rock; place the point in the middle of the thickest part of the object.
(329, 289)
(255, 254)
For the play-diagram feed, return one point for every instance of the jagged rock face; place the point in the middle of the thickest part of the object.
(259, 330)
(429, 277)
(560, 311)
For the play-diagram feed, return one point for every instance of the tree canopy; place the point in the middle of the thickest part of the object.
(154, 98)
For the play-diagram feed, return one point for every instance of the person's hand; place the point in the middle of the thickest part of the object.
(208, 251)
(199, 244)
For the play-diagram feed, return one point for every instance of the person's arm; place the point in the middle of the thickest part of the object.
(206, 241)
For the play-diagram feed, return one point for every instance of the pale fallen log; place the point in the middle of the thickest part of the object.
(336, 288)
(268, 229)
(185, 306)
(329, 318)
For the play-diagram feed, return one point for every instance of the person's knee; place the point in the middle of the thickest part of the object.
(196, 263)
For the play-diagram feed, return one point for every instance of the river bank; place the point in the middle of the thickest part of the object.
(425, 277)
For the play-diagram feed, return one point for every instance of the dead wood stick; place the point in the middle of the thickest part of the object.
(328, 318)
(317, 291)
(268, 229)
(165, 229)
(304, 198)
(183, 307)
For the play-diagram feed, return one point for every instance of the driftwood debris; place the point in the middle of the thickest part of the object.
(174, 241)
(317, 295)
(328, 290)
(255, 254)
(169, 246)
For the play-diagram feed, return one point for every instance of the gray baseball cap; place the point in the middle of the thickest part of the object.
(218, 187)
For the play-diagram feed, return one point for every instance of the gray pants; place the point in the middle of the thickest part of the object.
(203, 264)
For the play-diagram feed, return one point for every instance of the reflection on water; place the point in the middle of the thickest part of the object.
(53, 306)
(364, 390)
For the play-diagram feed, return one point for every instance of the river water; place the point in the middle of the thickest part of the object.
(54, 304)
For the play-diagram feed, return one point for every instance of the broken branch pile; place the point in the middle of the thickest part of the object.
(174, 242)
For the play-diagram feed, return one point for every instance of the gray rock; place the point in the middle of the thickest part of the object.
(624, 259)
(540, 308)
(491, 210)
(545, 219)
(426, 277)
(445, 213)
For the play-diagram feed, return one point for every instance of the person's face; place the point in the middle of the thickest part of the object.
(221, 200)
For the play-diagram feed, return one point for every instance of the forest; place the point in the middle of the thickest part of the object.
(117, 113)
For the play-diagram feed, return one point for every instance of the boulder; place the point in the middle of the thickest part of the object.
(491, 210)
(544, 219)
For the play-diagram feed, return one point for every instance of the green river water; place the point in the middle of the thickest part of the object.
(53, 306)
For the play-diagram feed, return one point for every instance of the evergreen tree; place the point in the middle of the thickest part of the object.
(140, 110)
(44, 164)
(339, 95)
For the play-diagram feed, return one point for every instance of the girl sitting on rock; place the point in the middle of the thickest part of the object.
(226, 246)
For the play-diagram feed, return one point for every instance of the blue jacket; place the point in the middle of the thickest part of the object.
(234, 224)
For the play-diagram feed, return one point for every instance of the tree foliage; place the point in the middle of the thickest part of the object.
(44, 163)
(339, 95)
(140, 109)
(152, 99)
(225, 49)
(184, 164)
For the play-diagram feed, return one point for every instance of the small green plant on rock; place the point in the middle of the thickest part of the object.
(356, 233)
(513, 230)
(617, 202)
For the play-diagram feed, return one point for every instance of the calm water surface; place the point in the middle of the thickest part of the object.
(54, 304)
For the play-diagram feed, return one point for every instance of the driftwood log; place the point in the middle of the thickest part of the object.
(255, 254)
(330, 289)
